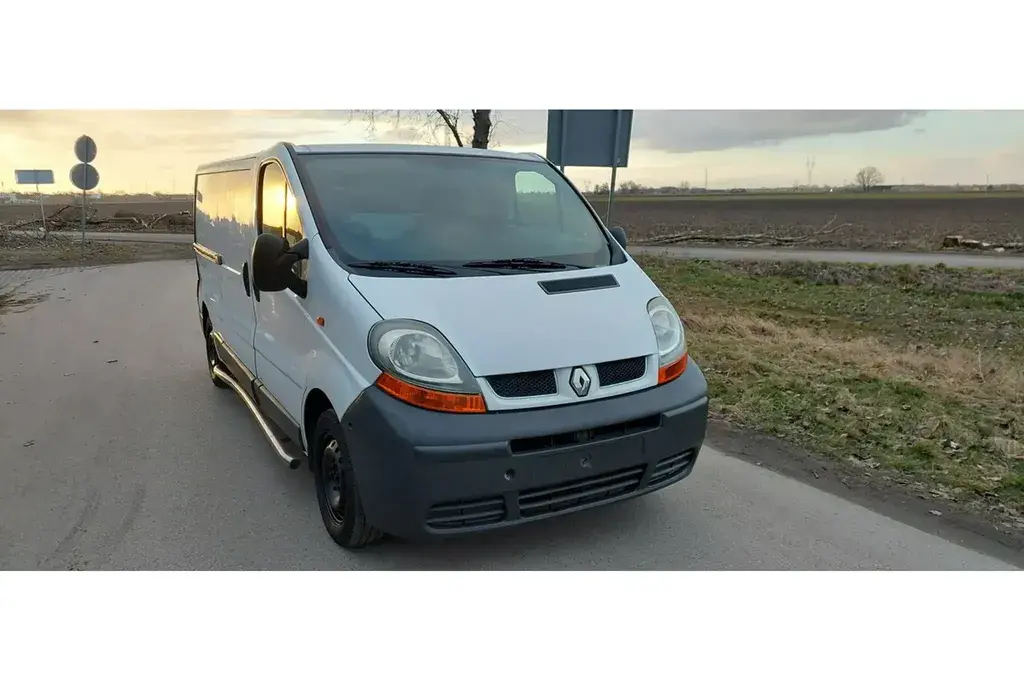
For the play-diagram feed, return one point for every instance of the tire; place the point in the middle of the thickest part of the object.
(337, 492)
(211, 354)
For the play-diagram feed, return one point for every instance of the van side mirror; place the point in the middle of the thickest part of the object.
(620, 235)
(272, 263)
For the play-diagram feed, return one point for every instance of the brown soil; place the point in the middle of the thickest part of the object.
(877, 223)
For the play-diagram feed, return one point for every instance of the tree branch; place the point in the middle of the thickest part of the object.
(451, 123)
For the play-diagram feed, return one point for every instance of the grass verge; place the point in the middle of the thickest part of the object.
(911, 374)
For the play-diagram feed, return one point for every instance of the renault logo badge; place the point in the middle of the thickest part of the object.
(579, 380)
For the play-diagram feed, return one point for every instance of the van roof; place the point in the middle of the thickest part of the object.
(246, 162)
(413, 149)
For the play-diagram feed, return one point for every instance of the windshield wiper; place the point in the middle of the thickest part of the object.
(405, 267)
(520, 264)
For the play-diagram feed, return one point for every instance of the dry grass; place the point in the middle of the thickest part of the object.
(952, 372)
(914, 373)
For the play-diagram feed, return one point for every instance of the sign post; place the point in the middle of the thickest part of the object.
(595, 138)
(83, 175)
(36, 177)
(615, 166)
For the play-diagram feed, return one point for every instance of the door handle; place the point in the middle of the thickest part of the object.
(245, 278)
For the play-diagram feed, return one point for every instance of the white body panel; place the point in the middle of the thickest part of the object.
(507, 324)
(225, 223)
(499, 324)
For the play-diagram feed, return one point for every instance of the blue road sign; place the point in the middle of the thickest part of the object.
(589, 138)
(33, 176)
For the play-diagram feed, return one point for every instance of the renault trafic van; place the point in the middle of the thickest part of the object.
(449, 337)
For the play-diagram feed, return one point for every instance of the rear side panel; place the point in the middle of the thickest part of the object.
(206, 243)
(225, 228)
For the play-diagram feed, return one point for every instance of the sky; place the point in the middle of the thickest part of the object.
(146, 151)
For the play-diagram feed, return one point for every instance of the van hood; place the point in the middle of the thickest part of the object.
(506, 324)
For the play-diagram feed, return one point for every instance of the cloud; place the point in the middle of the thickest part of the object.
(691, 131)
(683, 131)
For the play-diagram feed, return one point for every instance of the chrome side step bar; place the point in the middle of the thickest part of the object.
(261, 420)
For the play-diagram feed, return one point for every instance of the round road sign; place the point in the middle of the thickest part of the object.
(85, 177)
(85, 149)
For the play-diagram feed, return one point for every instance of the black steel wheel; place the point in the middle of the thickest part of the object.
(334, 482)
(337, 491)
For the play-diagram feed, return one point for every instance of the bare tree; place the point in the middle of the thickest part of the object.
(869, 177)
(477, 130)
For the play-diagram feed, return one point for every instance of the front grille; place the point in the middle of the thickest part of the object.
(621, 371)
(671, 467)
(471, 513)
(526, 384)
(576, 437)
(554, 498)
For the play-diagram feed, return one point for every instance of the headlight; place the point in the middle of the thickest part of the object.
(421, 367)
(668, 330)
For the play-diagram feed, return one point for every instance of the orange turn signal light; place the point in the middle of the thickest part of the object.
(671, 372)
(434, 400)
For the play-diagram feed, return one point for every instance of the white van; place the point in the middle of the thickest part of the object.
(448, 336)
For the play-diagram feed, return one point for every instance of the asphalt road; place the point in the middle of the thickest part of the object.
(712, 253)
(118, 453)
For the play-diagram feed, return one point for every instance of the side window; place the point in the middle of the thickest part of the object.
(273, 188)
(292, 224)
(536, 200)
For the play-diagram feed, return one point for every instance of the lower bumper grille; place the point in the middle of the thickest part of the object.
(556, 498)
(473, 513)
(671, 467)
(552, 499)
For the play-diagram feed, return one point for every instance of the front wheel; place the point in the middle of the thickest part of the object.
(336, 490)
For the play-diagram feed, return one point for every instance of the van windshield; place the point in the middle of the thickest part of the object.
(450, 210)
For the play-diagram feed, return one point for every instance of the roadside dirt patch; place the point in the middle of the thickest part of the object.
(116, 216)
(58, 251)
